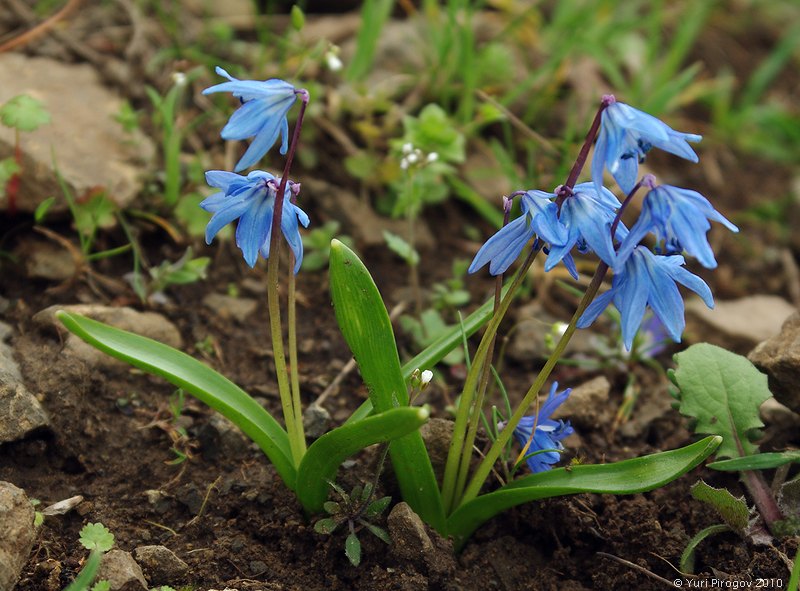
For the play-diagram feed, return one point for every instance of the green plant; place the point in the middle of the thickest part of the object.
(96, 538)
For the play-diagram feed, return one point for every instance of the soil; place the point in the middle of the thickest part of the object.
(225, 512)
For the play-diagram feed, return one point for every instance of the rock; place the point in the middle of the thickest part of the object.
(736, 325)
(587, 405)
(316, 421)
(360, 220)
(120, 569)
(20, 411)
(436, 434)
(219, 437)
(160, 565)
(529, 339)
(45, 260)
(148, 324)
(230, 307)
(91, 150)
(779, 358)
(16, 523)
(411, 541)
(652, 404)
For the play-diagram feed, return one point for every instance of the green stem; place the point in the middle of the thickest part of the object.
(294, 376)
(470, 384)
(485, 467)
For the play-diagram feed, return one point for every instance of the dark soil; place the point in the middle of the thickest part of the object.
(226, 513)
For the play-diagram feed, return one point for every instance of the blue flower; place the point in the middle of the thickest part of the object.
(626, 135)
(262, 114)
(679, 218)
(251, 199)
(539, 217)
(588, 214)
(539, 433)
(648, 280)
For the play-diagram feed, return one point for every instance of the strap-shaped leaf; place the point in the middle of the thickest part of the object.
(324, 456)
(194, 377)
(762, 461)
(366, 327)
(625, 477)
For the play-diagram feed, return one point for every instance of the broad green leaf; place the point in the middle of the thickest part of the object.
(352, 548)
(687, 558)
(733, 510)
(761, 461)
(87, 574)
(194, 377)
(625, 477)
(24, 113)
(324, 456)
(366, 327)
(723, 392)
(96, 536)
(437, 350)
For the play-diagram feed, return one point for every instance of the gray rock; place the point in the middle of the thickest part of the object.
(16, 523)
(230, 307)
(148, 324)
(779, 358)
(316, 421)
(20, 411)
(219, 437)
(588, 405)
(160, 565)
(120, 569)
(46, 260)
(91, 149)
(436, 434)
(412, 541)
(529, 339)
(736, 325)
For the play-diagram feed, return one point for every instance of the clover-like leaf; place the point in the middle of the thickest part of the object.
(24, 113)
(96, 536)
(723, 392)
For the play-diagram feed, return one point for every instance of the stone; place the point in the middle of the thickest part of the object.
(779, 358)
(436, 434)
(528, 341)
(228, 307)
(316, 421)
(359, 218)
(91, 150)
(46, 260)
(736, 325)
(120, 569)
(219, 437)
(587, 405)
(16, 523)
(160, 565)
(20, 411)
(412, 541)
(148, 324)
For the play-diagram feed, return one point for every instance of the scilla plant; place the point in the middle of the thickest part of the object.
(584, 216)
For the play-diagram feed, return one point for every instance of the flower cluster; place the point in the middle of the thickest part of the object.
(540, 436)
(251, 199)
(586, 217)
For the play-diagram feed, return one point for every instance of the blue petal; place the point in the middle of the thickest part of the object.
(225, 216)
(221, 179)
(594, 309)
(507, 243)
(253, 228)
(260, 145)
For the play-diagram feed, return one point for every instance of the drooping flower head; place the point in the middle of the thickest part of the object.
(587, 214)
(679, 218)
(251, 200)
(626, 136)
(648, 280)
(542, 434)
(262, 114)
(539, 217)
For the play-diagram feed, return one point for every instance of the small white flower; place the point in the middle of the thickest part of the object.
(404, 164)
(559, 328)
(408, 147)
(412, 158)
(333, 62)
(426, 377)
(433, 157)
(179, 78)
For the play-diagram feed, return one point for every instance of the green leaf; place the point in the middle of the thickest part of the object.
(96, 536)
(401, 248)
(723, 392)
(761, 461)
(432, 131)
(377, 507)
(326, 525)
(687, 558)
(41, 210)
(733, 510)
(87, 574)
(352, 548)
(366, 327)
(332, 507)
(24, 113)
(324, 456)
(102, 586)
(297, 17)
(8, 168)
(194, 377)
(626, 477)
(378, 532)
